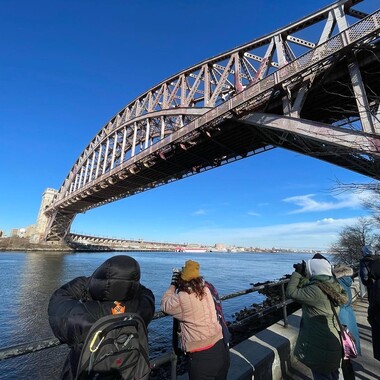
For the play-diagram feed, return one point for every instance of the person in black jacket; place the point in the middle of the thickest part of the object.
(114, 287)
(369, 272)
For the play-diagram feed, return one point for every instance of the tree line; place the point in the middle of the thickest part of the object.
(366, 231)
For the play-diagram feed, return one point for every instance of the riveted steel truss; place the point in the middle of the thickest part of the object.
(197, 119)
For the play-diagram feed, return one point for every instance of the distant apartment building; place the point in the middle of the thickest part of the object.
(18, 232)
(219, 247)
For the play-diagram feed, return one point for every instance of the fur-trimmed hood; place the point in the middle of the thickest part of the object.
(341, 270)
(334, 292)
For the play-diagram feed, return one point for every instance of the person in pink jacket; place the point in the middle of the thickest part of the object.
(190, 301)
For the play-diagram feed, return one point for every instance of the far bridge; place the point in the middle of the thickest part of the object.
(86, 242)
(319, 97)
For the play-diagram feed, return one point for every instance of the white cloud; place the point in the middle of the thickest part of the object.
(307, 203)
(319, 234)
(201, 211)
(253, 213)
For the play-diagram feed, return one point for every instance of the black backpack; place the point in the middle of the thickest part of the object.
(219, 313)
(374, 268)
(117, 346)
(373, 285)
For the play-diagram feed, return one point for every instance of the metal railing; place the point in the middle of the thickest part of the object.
(23, 349)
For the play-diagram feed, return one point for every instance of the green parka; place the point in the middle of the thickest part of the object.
(318, 345)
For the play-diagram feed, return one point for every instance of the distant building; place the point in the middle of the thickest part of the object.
(3, 234)
(18, 232)
(219, 247)
(30, 230)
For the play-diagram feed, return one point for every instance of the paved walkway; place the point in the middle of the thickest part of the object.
(365, 366)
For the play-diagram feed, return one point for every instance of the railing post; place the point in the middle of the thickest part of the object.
(284, 309)
(173, 364)
(172, 358)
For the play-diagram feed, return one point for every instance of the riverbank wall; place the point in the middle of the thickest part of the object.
(15, 244)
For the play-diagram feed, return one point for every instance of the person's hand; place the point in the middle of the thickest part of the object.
(175, 277)
(300, 268)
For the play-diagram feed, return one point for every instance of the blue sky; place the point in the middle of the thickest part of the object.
(66, 67)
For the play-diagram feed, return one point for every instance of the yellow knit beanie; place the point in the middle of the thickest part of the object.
(190, 270)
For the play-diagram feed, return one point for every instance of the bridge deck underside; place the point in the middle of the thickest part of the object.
(232, 140)
(330, 100)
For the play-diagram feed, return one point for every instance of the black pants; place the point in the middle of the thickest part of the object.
(374, 321)
(211, 364)
(348, 370)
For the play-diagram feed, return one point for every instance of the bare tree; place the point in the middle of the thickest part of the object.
(348, 248)
(373, 205)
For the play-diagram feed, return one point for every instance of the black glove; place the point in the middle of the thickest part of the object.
(175, 277)
(300, 268)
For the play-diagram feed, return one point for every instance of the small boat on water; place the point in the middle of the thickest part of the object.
(191, 249)
(194, 250)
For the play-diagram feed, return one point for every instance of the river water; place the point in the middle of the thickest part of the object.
(27, 281)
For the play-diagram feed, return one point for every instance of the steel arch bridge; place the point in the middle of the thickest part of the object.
(317, 97)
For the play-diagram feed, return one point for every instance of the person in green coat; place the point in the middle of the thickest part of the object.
(318, 344)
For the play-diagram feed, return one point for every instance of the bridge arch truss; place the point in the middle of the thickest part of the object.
(320, 98)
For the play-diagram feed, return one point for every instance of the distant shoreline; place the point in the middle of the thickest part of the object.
(17, 244)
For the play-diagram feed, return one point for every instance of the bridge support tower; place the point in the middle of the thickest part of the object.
(42, 219)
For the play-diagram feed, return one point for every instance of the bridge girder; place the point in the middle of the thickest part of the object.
(348, 148)
(191, 121)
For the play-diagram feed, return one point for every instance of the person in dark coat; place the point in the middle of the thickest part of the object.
(369, 271)
(318, 344)
(75, 306)
(347, 317)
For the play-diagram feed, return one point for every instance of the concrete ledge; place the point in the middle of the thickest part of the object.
(268, 354)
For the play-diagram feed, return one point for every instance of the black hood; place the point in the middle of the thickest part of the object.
(117, 279)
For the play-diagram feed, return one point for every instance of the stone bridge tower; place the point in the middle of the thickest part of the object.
(42, 220)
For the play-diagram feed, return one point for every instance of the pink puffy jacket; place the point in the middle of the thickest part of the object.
(198, 321)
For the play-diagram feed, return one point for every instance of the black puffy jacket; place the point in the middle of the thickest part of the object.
(74, 307)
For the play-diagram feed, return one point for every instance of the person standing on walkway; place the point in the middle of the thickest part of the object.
(114, 287)
(318, 344)
(369, 271)
(347, 317)
(191, 302)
